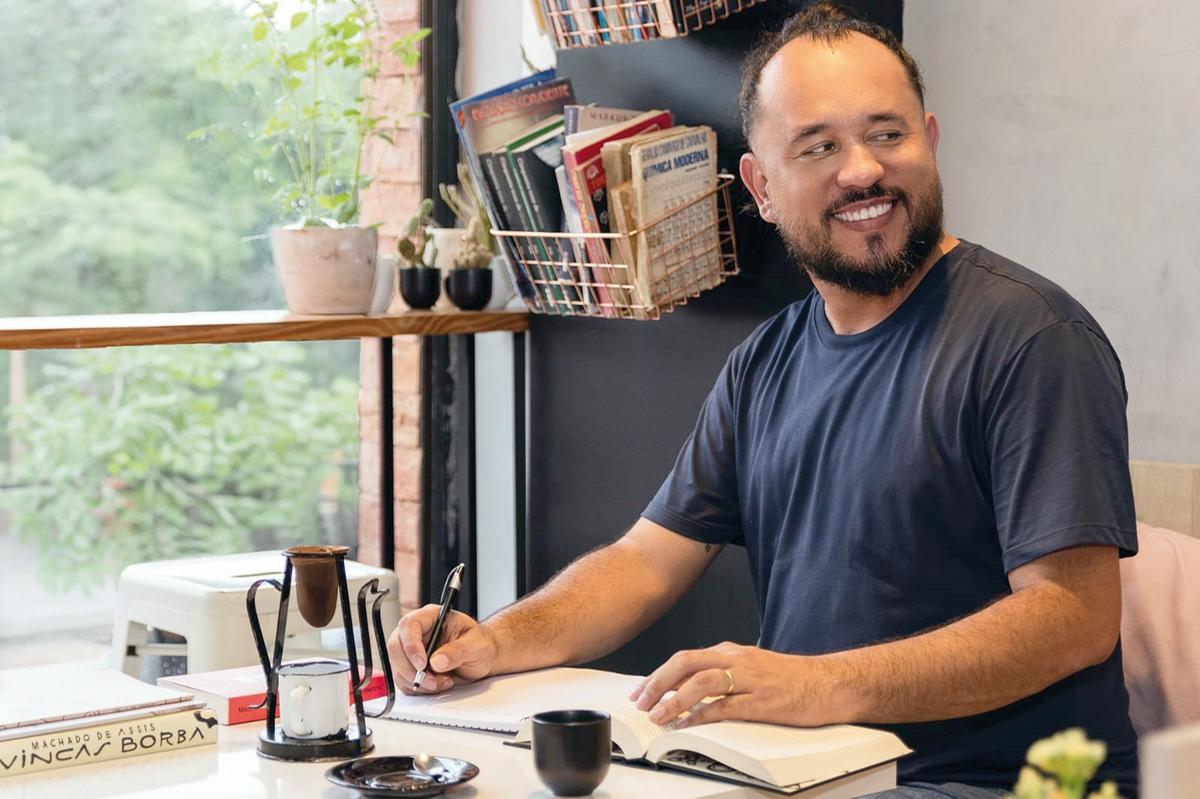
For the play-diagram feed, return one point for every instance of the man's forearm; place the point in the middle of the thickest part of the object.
(593, 606)
(1005, 652)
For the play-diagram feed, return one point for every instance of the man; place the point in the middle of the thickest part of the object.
(926, 460)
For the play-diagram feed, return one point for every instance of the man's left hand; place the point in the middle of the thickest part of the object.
(766, 686)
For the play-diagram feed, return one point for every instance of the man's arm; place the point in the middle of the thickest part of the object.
(1064, 614)
(595, 605)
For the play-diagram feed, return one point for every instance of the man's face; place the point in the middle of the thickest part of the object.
(843, 163)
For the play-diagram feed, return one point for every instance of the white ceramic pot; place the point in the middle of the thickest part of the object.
(326, 270)
(448, 241)
(502, 287)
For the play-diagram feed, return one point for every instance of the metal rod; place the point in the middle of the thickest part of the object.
(285, 591)
(387, 459)
(351, 646)
(370, 585)
(256, 630)
(519, 464)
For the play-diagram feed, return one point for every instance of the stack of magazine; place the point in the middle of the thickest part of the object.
(549, 165)
(51, 719)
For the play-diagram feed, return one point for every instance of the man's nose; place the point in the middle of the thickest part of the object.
(860, 169)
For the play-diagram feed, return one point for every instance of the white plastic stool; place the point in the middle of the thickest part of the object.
(204, 600)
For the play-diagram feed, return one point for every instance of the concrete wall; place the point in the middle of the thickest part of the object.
(1068, 134)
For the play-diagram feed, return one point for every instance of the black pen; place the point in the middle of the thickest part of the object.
(449, 594)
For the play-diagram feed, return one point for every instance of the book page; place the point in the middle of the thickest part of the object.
(785, 755)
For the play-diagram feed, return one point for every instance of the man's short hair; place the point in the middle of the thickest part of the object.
(826, 22)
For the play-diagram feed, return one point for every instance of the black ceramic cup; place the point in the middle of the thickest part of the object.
(469, 289)
(420, 286)
(572, 750)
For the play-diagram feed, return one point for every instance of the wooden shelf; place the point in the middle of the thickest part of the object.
(235, 327)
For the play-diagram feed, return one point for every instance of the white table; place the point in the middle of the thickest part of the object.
(233, 770)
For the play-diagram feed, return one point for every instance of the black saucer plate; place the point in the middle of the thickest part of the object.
(398, 777)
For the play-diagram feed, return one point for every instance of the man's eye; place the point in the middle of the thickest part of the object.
(821, 149)
(886, 136)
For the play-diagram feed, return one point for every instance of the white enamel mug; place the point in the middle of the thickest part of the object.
(314, 698)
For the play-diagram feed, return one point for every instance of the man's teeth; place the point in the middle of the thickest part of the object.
(865, 213)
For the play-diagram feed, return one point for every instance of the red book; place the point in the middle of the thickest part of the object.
(232, 693)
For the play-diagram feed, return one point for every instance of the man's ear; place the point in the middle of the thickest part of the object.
(756, 181)
(932, 132)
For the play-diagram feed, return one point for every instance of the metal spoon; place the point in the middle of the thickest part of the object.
(423, 762)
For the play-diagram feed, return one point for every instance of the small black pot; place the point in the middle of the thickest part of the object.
(469, 289)
(419, 286)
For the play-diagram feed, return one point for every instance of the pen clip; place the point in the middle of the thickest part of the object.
(453, 581)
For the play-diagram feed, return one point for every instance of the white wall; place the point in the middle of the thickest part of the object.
(490, 33)
(1068, 145)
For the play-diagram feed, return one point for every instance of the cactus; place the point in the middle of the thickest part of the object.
(466, 203)
(414, 240)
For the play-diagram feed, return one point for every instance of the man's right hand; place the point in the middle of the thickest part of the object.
(467, 651)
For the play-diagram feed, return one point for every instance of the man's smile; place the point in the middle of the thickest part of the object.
(866, 215)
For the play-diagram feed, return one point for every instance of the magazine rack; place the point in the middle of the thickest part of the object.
(625, 21)
(636, 275)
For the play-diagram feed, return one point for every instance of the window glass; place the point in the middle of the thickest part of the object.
(132, 180)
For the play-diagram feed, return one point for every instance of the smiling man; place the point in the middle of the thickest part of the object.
(926, 460)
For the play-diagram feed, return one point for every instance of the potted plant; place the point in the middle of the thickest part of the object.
(469, 282)
(326, 262)
(419, 277)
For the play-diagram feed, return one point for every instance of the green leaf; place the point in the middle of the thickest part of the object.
(298, 19)
(296, 62)
(329, 202)
(260, 31)
(416, 36)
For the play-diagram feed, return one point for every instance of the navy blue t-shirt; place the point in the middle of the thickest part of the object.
(886, 482)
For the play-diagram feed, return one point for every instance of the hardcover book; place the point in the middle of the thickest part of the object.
(232, 694)
(102, 738)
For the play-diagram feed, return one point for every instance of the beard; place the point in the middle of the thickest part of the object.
(877, 273)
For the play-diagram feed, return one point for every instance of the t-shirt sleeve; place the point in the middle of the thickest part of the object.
(1058, 447)
(699, 498)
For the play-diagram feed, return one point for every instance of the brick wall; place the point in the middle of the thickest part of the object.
(389, 201)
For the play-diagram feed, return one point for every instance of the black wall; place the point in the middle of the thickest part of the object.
(611, 401)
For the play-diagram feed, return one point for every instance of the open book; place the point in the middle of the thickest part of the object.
(784, 759)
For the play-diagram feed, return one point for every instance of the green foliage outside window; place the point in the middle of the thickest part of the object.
(109, 205)
(105, 205)
(143, 454)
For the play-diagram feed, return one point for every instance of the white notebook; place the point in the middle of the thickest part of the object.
(498, 704)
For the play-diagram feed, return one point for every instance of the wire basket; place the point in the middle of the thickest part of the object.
(641, 274)
(579, 24)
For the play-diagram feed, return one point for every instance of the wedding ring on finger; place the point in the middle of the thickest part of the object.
(729, 675)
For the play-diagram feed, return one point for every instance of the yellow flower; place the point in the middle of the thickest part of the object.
(1070, 760)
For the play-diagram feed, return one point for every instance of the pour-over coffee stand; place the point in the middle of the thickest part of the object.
(320, 577)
